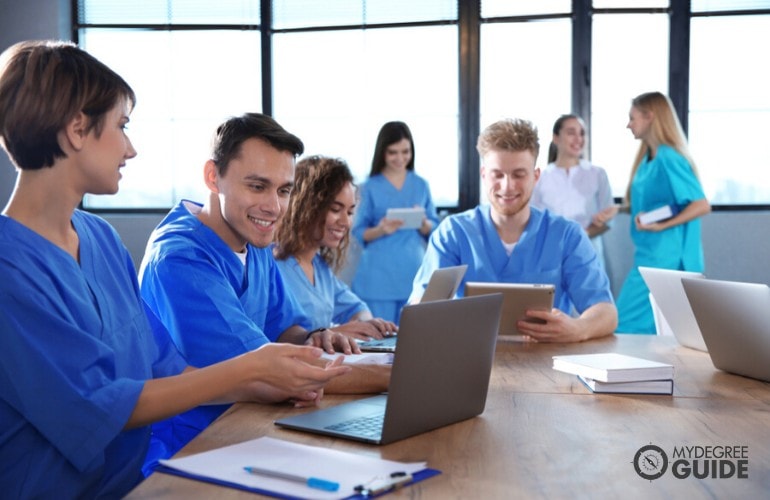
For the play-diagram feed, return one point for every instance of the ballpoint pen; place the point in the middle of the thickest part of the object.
(380, 485)
(312, 482)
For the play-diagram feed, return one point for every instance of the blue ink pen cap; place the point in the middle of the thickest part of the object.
(322, 484)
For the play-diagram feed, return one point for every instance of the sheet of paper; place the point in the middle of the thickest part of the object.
(376, 358)
(347, 469)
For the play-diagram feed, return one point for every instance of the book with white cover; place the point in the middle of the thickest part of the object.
(659, 214)
(613, 367)
(640, 387)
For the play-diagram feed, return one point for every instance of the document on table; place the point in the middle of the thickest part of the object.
(371, 358)
(225, 466)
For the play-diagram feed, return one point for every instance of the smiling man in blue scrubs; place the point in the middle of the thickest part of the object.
(510, 241)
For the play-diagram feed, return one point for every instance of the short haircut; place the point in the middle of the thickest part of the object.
(317, 182)
(510, 134)
(390, 133)
(231, 135)
(43, 86)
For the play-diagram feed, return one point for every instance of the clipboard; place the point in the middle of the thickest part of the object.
(416, 478)
(225, 467)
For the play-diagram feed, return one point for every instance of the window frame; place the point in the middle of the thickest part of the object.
(468, 24)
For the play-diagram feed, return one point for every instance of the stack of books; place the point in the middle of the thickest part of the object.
(618, 373)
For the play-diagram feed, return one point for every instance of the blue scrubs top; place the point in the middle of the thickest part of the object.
(551, 250)
(76, 349)
(213, 305)
(329, 301)
(388, 264)
(667, 179)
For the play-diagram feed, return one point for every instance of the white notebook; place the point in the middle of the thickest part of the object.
(613, 367)
(641, 387)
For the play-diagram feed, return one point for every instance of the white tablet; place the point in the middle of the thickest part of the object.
(517, 299)
(412, 217)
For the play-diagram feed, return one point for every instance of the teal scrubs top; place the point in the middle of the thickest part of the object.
(667, 179)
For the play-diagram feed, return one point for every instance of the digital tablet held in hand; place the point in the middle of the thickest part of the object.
(517, 299)
(412, 217)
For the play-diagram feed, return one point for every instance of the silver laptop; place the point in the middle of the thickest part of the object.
(669, 299)
(734, 319)
(517, 299)
(443, 285)
(440, 375)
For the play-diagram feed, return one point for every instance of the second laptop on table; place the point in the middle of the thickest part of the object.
(443, 285)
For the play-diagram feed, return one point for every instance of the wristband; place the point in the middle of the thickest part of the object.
(310, 334)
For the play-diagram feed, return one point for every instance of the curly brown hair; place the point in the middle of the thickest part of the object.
(317, 182)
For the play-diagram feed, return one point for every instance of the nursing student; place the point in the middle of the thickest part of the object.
(84, 369)
(311, 246)
(663, 174)
(510, 241)
(391, 254)
(209, 274)
(572, 186)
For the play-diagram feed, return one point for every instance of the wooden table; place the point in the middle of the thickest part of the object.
(544, 435)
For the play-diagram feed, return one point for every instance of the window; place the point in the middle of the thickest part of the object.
(626, 61)
(526, 73)
(187, 79)
(335, 89)
(730, 107)
(339, 69)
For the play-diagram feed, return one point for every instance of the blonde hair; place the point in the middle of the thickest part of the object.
(510, 134)
(665, 129)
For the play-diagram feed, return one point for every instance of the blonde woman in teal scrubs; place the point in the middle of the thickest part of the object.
(663, 174)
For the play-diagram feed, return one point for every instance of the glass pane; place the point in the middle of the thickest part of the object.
(727, 5)
(623, 67)
(504, 8)
(532, 84)
(730, 107)
(168, 12)
(186, 82)
(289, 14)
(351, 82)
(630, 4)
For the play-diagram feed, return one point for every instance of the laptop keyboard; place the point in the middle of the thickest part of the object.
(385, 342)
(369, 426)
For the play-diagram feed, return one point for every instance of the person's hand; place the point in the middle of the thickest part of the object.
(307, 402)
(281, 371)
(603, 216)
(333, 341)
(389, 226)
(653, 227)
(262, 392)
(558, 327)
(375, 328)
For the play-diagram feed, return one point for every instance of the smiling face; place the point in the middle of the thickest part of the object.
(102, 157)
(339, 218)
(570, 140)
(509, 178)
(398, 155)
(251, 197)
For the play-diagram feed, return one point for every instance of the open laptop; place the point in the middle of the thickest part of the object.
(671, 302)
(734, 319)
(440, 375)
(517, 299)
(443, 285)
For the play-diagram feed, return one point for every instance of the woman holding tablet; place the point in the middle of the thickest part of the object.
(392, 252)
(312, 243)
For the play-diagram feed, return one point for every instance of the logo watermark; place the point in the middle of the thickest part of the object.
(701, 462)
